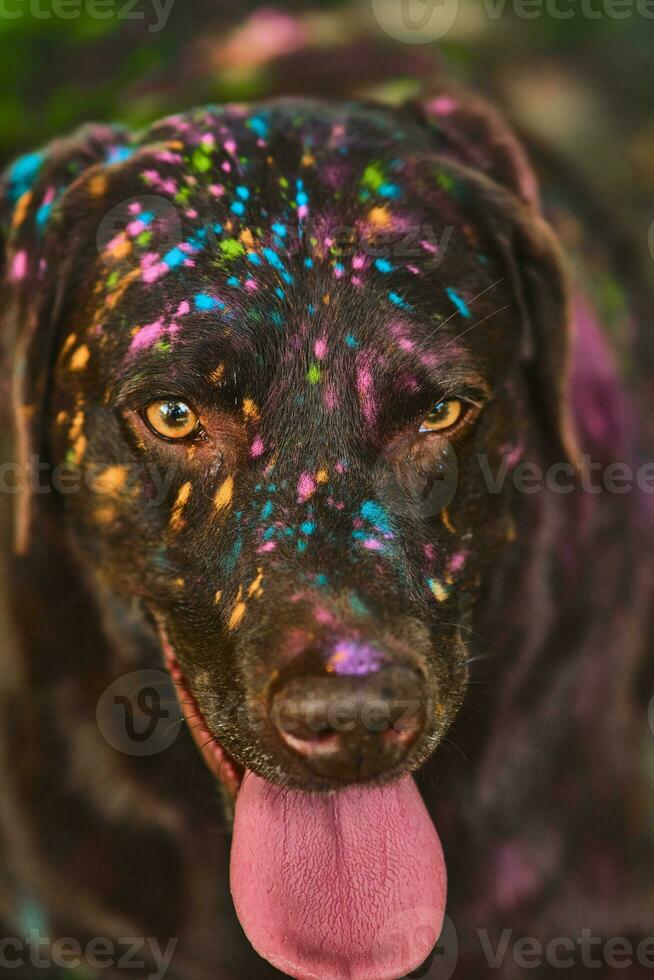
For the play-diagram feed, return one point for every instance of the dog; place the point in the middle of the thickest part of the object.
(288, 360)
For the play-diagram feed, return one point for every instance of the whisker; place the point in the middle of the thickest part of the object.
(456, 312)
(468, 329)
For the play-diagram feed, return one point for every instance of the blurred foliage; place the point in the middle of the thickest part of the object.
(584, 83)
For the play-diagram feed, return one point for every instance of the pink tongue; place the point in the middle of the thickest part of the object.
(343, 887)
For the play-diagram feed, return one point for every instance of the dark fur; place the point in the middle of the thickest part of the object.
(543, 813)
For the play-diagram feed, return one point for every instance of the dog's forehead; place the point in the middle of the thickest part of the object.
(265, 236)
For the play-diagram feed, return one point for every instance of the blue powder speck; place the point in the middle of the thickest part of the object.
(459, 303)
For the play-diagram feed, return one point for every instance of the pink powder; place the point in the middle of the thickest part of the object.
(306, 487)
(147, 336)
(444, 105)
(19, 266)
(365, 385)
(257, 448)
(458, 561)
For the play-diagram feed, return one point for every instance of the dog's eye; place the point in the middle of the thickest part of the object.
(443, 416)
(172, 419)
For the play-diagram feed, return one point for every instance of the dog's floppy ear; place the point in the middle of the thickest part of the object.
(502, 193)
(473, 132)
(35, 269)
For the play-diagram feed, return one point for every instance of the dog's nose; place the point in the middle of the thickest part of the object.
(350, 728)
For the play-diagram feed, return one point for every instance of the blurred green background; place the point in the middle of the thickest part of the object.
(577, 73)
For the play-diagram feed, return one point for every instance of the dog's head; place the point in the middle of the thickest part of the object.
(273, 359)
(276, 342)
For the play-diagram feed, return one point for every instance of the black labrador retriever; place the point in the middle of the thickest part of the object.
(304, 409)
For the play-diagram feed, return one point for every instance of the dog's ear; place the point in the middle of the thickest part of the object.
(536, 269)
(473, 133)
(36, 264)
(479, 147)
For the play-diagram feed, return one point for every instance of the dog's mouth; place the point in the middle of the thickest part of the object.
(346, 886)
(221, 764)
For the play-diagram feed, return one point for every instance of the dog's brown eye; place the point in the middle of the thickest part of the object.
(172, 419)
(443, 416)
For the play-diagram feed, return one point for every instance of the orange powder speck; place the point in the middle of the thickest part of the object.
(21, 209)
(337, 658)
(122, 286)
(79, 448)
(322, 476)
(121, 249)
(250, 409)
(223, 497)
(445, 517)
(256, 584)
(110, 480)
(439, 590)
(80, 358)
(76, 427)
(238, 612)
(176, 518)
(379, 217)
(68, 343)
(106, 514)
(98, 185)
(217, 374)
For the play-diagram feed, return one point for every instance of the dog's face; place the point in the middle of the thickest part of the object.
(278, 365)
